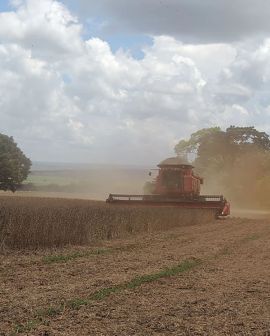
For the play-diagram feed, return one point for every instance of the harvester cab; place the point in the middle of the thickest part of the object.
(176, 179)
(176, 185)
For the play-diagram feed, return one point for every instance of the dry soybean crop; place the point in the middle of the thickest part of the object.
(27, 222)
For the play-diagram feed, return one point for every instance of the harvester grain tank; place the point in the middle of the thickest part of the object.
(176, 185)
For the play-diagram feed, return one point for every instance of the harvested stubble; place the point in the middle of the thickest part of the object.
(27, 222)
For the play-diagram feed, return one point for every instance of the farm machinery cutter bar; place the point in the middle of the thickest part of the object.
(175, 185)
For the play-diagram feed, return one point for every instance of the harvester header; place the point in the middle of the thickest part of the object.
(176, 185)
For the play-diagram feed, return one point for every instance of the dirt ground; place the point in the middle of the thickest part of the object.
(225, 292)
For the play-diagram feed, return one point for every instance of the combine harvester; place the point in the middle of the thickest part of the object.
(176, 185)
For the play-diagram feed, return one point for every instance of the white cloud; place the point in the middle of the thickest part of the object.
(45, 27)
(64, 98)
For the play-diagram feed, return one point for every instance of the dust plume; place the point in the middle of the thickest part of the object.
(95, 182)
(246, 183)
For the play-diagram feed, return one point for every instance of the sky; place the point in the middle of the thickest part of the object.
(116, 81)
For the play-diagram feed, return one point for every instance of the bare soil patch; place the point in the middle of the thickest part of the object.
(227, 292)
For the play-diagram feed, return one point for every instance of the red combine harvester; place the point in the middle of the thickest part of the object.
(176, 185)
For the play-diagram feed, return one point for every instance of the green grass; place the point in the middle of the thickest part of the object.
(101, 294)
(62, 258)
(75, 304)
(136, 282)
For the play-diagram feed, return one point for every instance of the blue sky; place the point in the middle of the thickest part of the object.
(128, 41)
(4, 5)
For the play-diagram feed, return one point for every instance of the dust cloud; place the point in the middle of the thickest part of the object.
(246, 184)
(94, 183)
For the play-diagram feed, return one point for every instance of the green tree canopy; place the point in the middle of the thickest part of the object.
(214, 148)
(14, 165)
(185, 147)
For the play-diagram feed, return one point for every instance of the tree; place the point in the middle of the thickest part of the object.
(216, 149)
(14, 165)
(185, 147)
(235, 161)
